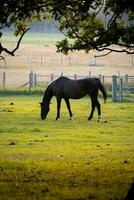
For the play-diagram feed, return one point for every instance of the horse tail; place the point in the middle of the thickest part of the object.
(103, 90)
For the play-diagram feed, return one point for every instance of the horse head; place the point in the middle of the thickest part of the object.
(44, 110)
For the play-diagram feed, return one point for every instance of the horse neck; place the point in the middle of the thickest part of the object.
(47, 96)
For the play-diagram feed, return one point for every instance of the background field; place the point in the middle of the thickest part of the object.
(72, 160)
(37, 52)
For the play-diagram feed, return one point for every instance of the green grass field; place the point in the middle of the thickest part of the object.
(69, 160)
(33, 38)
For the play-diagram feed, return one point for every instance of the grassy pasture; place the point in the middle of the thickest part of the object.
(34, 37)
(69, 160)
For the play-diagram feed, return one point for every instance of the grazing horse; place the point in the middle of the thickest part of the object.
(65, 88)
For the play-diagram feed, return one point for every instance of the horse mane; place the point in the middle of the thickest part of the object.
(60, 78)
(49, 86)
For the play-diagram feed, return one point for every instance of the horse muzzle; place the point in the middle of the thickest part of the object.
(43, 118)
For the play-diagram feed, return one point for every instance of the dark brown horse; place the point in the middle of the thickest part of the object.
(65, 88)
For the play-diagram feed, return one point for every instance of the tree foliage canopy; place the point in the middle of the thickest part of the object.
(99, 25)
(87, 24)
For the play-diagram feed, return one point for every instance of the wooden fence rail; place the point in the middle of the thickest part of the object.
(120, 84)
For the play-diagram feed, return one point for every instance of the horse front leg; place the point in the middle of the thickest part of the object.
(58, 107)
(69, 108)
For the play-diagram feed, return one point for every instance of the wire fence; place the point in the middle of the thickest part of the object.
(39, 53)
(54, 59)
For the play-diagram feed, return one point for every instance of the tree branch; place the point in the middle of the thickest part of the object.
(128, 51)
(103, 54)
(18, 43)
(2, 58)
(101, 6)
(55, 26)
(76, 34)
(15, 49)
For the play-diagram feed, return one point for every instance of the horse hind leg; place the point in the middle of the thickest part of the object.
(95, 103)
(91, 114)
(69, 108)
(99, 110)
(92, 108)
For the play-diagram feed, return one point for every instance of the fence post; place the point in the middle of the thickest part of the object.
(119, 74)
(4, 82)
(103, 79)
(52, 77)
(95, 61)
(126, 79)
(61, 58)
(132, 60)
(69, 61)
(41, 61)
(120, 89)
(75, 76)
(35, 79)
(100, 76)
(114, 88)
(30, 81)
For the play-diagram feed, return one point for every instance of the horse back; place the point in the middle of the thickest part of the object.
(74, 89)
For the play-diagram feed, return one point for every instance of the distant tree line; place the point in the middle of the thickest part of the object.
(41, 27)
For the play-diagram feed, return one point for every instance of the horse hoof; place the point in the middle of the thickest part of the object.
(99, 118)
(89, 119)
(105, 121)
(70, 118)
